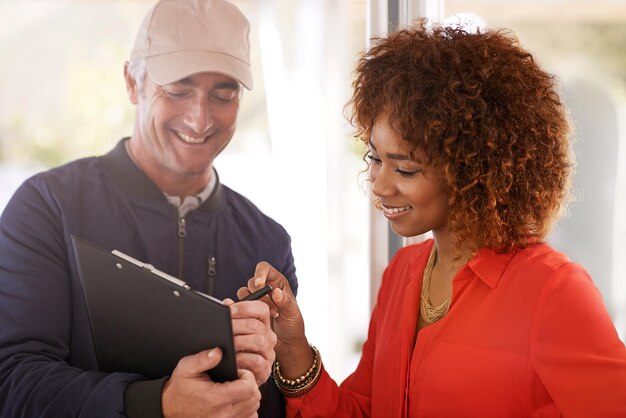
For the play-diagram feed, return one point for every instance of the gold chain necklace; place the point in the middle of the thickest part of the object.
(429, 312)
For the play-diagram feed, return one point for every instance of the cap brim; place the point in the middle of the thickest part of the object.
(168, 68)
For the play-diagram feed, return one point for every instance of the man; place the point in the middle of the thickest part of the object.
(155, 197)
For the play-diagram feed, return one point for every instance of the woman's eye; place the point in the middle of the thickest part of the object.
(374, 159)
(406, 173)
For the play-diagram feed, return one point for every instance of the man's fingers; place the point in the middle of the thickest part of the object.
(246, 375)
(250, 309)
(190, 392)
(253, 395)
(199, 363)
(211, 359)
(245, 326)
(256, 343)
(259, 365)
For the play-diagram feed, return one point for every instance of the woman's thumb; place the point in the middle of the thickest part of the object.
(286, 305)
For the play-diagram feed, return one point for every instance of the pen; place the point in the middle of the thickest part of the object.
(259, 293)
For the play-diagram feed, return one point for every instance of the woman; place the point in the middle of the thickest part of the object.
(466, 138)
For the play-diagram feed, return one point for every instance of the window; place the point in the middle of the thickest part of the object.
(582, 43)
(64, 98)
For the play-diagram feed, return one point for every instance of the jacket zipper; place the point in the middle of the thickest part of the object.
(212, 271)
(182, 234)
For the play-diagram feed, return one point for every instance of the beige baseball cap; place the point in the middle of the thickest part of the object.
(178, 38)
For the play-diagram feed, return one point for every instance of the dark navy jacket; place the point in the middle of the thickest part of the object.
(47, 360)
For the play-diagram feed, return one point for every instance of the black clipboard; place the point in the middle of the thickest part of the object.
(144, 320)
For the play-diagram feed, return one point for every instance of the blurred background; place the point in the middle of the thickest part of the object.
(62, 97)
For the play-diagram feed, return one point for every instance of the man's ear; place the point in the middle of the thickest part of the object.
(131, 85)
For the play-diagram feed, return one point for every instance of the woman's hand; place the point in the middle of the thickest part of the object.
(292, 348)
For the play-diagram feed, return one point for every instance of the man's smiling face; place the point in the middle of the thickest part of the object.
(183, 126)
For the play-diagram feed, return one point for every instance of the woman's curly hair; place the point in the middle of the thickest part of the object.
(487, 117)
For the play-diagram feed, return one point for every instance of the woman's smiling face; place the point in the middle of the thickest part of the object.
(410, 191)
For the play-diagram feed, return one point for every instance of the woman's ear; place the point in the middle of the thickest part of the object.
(131, 85)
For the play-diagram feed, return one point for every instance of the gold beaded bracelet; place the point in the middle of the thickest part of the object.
(303, 384)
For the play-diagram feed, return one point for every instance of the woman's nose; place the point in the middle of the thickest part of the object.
(381, 184)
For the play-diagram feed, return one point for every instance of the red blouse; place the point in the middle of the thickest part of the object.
(527, 335)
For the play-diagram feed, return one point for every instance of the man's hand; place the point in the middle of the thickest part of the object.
(254, 338)
(191, 393)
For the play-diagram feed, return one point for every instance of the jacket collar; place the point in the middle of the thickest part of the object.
(489, 265)
(133, 181)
